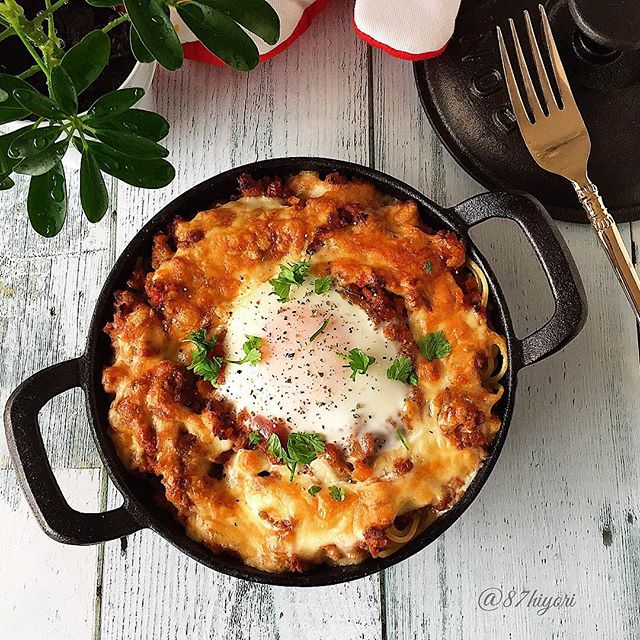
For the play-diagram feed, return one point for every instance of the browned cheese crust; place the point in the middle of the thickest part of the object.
(235, 498)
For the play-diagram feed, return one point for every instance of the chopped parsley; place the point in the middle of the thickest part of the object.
(336, 493)
(434, 346)
(207, 367)
(302, 448)
(358, 361)
(428, 267)
(320, 330)
(254, 438)
(401, 369)
(315, 489)
(275, 448)
(291, 274)
(322, 285)
(251, 350)
(402, 438)
(201, 364)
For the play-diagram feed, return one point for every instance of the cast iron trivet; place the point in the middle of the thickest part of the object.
(464, 96)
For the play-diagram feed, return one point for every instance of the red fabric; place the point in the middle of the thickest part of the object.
(394, 52)
(196, 51)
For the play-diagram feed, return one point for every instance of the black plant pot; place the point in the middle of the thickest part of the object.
(74, 21)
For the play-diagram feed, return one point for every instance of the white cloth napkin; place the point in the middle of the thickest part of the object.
(409, 29)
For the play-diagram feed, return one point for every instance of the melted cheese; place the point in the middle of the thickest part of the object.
(233, 497)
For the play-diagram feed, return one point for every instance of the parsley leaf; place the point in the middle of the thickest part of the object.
(401, 369)
(251, 350)
(322, 285)
(209, 368)
(337, 493)
(302, 448)
(434, 346)
(314, 490)
(402, 438)
(254, 438)
(358, 360)
(320, 330)
(305, 447)
(291, 274)
(275, 448)
(200, 341)
(428, 267)
(201, 364)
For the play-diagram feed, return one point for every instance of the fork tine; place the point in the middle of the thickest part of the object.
(558, 68)
(534, 103)
(514, 93)
(550, 99)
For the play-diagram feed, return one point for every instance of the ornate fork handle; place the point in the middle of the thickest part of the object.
(607, 231)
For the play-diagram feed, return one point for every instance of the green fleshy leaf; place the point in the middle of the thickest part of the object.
(258, 16)
(148, 174)
(43, 161)
(62, 90)
(33, 141)
(85, 61)
(131, 144)
(93, 192)
(140, 52)
(136, 121)
(115, 102)
(47, 201)
(221, 35)
(36, 103)
(6, 161)
(10, 108)
(156, 32)
(6, 183)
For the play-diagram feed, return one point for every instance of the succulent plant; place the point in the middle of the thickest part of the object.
(112, 136)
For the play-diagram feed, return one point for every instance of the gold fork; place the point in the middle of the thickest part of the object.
(559, 142)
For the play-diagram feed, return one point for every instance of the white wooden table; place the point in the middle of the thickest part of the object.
(559, 515)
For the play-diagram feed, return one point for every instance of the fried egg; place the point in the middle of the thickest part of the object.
(303, 377)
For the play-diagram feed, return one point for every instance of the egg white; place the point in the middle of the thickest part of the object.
(305, 382)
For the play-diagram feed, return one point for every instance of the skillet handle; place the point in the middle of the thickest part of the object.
(55, 516)
(562, 274)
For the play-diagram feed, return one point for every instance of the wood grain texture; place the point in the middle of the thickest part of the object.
(312, 100)
(560, 512)
(48, 289)
(47, 589)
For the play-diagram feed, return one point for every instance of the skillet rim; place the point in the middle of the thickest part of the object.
(136, 493)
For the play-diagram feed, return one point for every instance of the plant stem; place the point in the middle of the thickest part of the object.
(34, 54)
(114, 23)
(29, 72)
(51, 29)
(38, 20)
(49, 12)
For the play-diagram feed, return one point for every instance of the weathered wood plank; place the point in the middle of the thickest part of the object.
(312, 100)
(46, 589)
(47, 291)
(560, 512)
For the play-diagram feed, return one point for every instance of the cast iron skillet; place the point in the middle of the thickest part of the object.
(140, 510)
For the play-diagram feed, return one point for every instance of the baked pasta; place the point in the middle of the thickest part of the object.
(307, 369)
